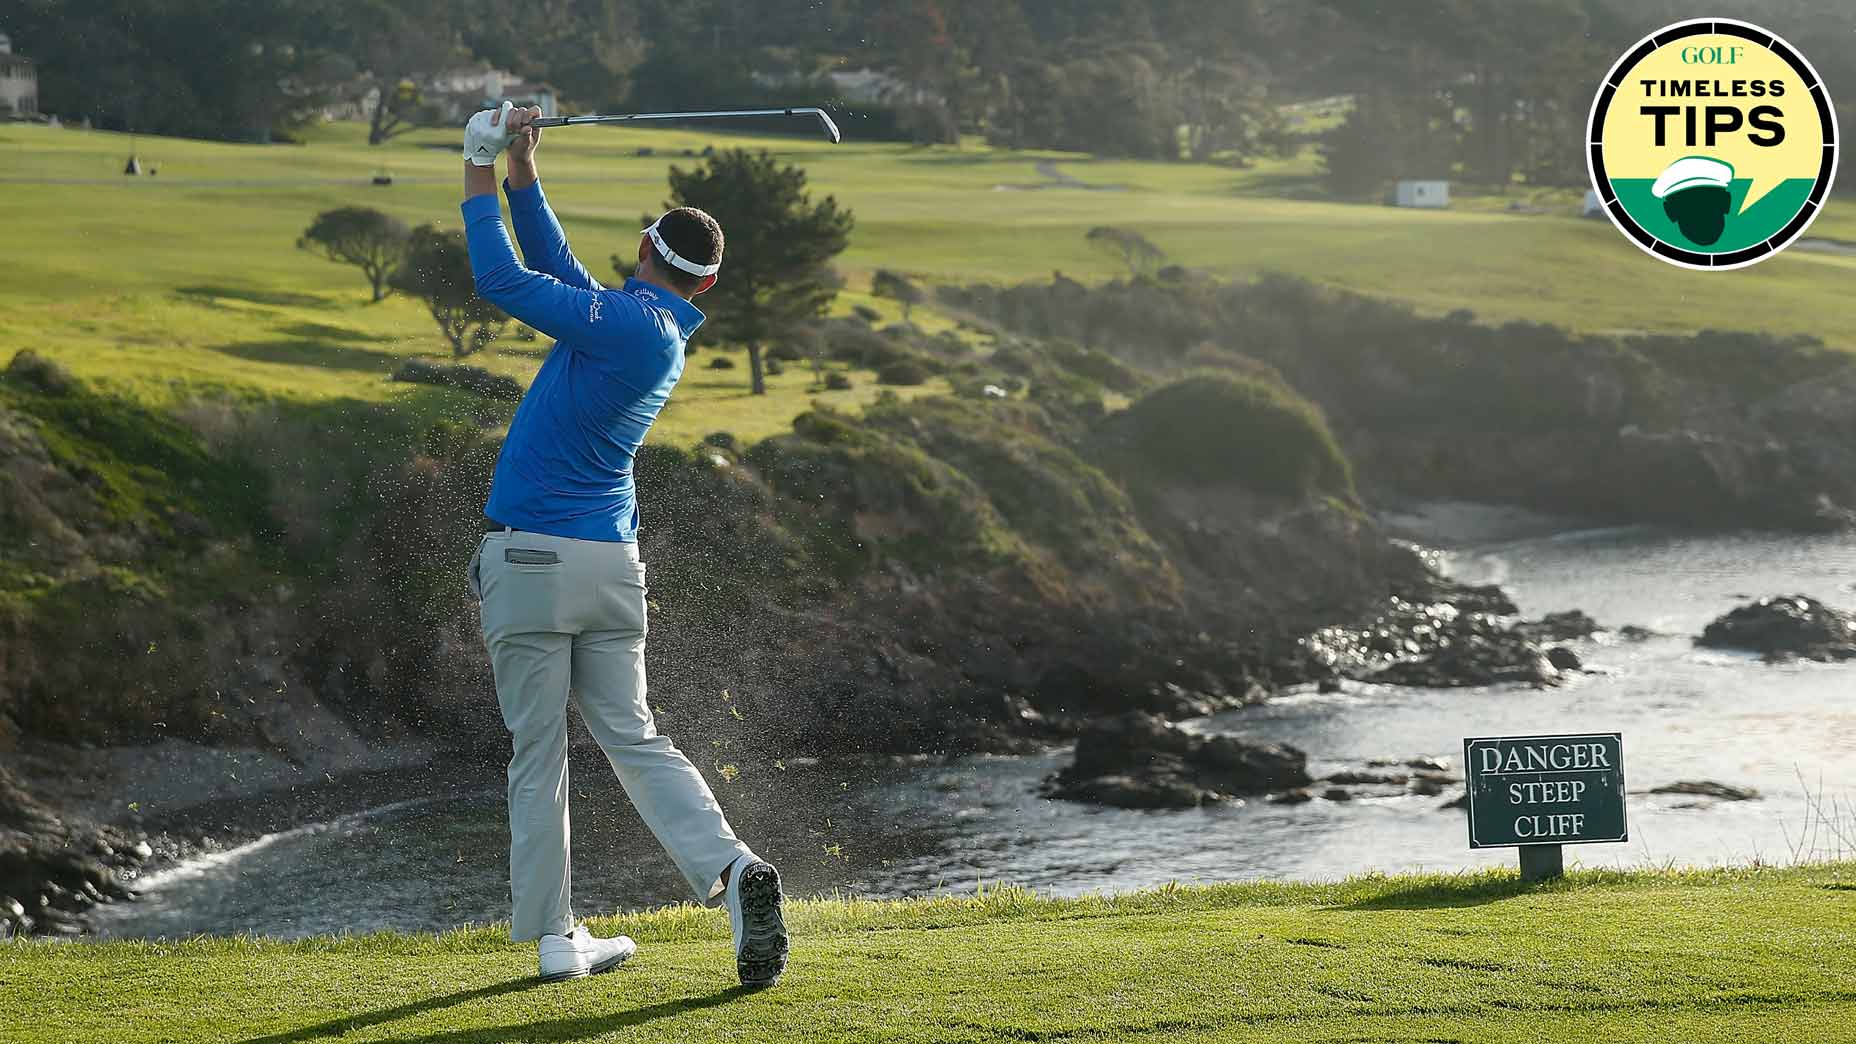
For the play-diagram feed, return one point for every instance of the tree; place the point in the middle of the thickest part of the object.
(364, 237)
(437, 271)
(897, 288)
(1389, 136)
(394, 46)
(776, 273)
(1129, 247)
(227, 69)
(587, 48)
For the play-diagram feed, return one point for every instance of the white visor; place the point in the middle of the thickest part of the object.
(676, 261)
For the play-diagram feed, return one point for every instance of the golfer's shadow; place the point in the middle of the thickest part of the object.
(556, 1030)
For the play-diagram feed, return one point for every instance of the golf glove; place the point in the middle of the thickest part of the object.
(483, 141)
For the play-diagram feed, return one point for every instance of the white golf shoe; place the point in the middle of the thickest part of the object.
(753, 900)
(580, 953)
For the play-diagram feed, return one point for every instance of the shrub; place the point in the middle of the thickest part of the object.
(785, 351)
(1097, 365)
(897, 288)
(867, 313)
(902, 371)
(35, 371)
(860, 345)
(721, 362)
(774, 367)
(1129, 247)
(838, 381)
(1219, 427)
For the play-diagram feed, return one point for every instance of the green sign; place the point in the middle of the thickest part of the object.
(1545, 790)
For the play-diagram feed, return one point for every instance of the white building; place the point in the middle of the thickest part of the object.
(464, 91)
(1413, 192)
(456, 94)
(19, 82)
(1593, 207)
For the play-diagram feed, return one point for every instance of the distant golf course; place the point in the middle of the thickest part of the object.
(188, 282)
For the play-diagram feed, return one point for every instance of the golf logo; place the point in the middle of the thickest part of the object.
(1712, 144)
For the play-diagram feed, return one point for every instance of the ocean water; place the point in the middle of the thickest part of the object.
(1685, 713)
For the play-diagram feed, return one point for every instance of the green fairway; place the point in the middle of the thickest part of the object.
(189, 281)
(1740, 955)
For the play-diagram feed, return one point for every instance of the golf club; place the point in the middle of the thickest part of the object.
(831, 129)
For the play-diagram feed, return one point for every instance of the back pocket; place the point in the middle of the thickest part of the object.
(529, 556)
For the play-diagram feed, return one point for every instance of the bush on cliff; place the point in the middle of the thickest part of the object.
(1716, 428)
(125, 534)
(1057, 502)
(864, 496)
(1222, 427)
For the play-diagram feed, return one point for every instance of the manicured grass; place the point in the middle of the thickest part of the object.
(1690, 956)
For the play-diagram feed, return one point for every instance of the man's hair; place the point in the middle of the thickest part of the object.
(695, 236)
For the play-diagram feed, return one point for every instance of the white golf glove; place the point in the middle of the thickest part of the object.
(484, 141)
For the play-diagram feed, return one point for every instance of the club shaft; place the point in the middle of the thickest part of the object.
(568, 121)
(831, 129)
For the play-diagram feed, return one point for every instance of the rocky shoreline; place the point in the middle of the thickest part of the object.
(58, 863)
(1139, 760)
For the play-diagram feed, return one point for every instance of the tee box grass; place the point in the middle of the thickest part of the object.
(1689, 957)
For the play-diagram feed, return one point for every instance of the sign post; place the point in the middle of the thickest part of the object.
(1537, 793)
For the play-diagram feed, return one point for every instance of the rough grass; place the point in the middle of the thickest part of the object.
(1691, 956)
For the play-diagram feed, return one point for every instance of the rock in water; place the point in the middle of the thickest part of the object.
(1708, 788)
(1558, 627)
(1138, 760)
(1475, 659)
(1564, 659)
(1786, 627)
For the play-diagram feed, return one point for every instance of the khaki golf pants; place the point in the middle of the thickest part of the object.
(565, 619)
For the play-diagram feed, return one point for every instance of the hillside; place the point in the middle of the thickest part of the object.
(1692, 956)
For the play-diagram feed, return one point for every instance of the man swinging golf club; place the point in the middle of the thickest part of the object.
(557, 572)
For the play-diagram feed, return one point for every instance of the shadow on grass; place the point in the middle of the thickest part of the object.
(555, 1030)
(1444, 895)
(1298, 186)
(325, 331)
(313, 353)
(209, 294)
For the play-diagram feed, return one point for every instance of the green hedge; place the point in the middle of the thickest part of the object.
(1221, 427)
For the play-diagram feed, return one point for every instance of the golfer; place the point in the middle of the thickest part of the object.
(557, 572)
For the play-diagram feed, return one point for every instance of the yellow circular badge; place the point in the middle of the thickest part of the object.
(1712, 144)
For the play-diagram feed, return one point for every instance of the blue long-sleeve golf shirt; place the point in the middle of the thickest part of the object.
(566, 467)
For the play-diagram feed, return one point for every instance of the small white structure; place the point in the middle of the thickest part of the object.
(19, 82)
(1593, 207)
(459, 92)
(1414, 192)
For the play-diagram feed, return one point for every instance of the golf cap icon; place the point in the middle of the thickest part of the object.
(1697, 193)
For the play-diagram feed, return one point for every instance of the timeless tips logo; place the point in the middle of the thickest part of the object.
(1712, 144)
